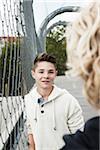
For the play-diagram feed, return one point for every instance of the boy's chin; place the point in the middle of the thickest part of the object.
(46, 86)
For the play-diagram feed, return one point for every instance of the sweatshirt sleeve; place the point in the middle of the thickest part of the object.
(75, 119)
(28, 124)
(29, 129)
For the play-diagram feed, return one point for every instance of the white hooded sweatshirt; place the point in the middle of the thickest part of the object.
(50, 120)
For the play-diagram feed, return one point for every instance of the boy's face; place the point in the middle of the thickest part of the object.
(44, 74)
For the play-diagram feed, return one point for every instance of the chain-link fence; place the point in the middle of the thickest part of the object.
(14, 55)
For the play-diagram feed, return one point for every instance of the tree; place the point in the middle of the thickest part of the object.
(56, 45)
(10, 68)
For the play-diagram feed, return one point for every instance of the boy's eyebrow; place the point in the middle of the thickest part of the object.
(51, 70)
(48, 70)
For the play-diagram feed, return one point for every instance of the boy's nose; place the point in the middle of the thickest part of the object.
(46, 75)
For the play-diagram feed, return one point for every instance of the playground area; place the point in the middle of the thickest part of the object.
(20, 41)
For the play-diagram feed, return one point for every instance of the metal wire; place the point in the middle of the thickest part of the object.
(13, 133)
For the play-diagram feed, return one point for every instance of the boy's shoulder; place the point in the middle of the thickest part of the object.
(31, 92)
(64, 93)
(31, 96)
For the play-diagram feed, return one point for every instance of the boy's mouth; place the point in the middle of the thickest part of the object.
(45, 81)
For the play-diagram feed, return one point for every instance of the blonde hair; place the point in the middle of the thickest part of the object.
(84, 47)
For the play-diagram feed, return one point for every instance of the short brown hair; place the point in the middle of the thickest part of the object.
(44, 57)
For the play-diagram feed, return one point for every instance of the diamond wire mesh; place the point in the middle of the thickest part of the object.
(12, 120)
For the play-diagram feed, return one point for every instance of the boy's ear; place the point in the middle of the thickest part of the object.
(32, 73)
(56, 72)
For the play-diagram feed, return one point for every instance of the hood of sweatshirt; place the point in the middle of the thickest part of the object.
(56, 92)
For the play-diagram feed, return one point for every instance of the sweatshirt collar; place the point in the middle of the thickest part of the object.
(56, 92)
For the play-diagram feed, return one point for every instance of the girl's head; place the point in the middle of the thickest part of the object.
(84, 47)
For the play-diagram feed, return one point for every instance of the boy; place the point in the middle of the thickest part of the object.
(51, 111)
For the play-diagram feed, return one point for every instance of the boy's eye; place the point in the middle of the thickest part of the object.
(41, 71)
(51, 72)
